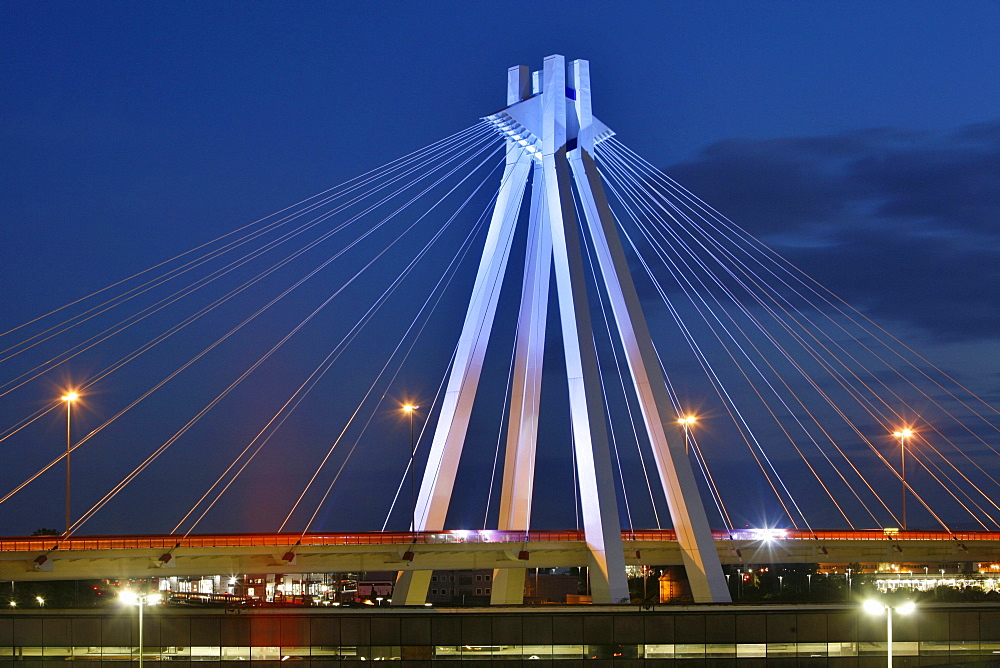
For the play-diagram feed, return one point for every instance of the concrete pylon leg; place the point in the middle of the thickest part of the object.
(687, 513)
(463, 382)
(508, 586)
(411, 587)
(599, 506)
(526, 386)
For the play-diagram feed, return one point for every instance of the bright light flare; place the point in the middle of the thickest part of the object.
(873, 607)
(129, 597)
(70, 396)
(688, 420)
(903, 433)
(768, 535)
(906, 608)
(409, 408)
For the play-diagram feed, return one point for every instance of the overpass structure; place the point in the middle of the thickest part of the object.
(82, 557)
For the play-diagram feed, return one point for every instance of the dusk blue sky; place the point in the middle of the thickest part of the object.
(859, 139)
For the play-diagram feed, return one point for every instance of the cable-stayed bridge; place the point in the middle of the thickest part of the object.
(555, 308)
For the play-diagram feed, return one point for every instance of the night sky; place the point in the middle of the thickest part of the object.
(860, 140)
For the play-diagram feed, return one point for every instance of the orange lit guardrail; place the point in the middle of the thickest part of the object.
(168, 542)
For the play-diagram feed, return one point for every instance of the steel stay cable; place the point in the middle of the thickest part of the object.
(588, 253)
(316, 473)
(247, 226)
(791, 360)
(179, 370)
(378, 255)
(808, 464)
(923, 502)
(705, 364)
(956, 486)
(315, 376)
(853, 467)
(163, 336)
(932, 426)
(230, 333)
(330, 451)
(777, 395)
(917, 454)
(690, 290)
(100, 504)
(447, 283)
(132, 293)
(495, 285)
(808, 282)
(201, 282)
(829, 370)
(865, 402)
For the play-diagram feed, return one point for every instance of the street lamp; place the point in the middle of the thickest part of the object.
(902, 435)
(686, 422)
(874, 607)
(410, 409)
(69, 398)
(129, 597)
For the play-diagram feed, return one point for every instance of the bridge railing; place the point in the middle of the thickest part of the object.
(286, 541)
(168, 542)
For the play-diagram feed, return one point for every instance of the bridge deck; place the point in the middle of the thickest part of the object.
(52, 558)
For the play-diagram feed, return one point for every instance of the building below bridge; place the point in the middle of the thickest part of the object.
(716, 635)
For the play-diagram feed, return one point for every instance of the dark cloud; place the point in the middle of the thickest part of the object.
(915, 214)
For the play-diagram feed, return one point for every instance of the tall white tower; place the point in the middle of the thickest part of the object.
(551, 131)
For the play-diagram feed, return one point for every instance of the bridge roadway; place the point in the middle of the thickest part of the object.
(85, 557)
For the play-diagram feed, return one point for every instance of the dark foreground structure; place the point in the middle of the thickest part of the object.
(723, 635)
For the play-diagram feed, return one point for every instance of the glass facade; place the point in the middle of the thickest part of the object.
(711, 636)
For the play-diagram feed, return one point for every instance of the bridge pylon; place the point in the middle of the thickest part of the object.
(551, 134)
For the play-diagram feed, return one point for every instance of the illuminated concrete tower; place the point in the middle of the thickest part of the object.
(551, 132)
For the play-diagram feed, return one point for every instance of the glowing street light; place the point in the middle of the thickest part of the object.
(129, 597)
(686, 422)
(410, 409)
(902, 435)
(69, 398)
(874, 607)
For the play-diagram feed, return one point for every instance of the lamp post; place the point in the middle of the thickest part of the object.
(902, 435)
(874, 607)
(69, 398)
(129, 597)
(686, 422)
(410, 409)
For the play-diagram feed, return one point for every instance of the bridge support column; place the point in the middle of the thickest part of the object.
(701, 559)
(463, 382)
(599, 506)
(526, 388)
(508, 586)
(411, 587)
